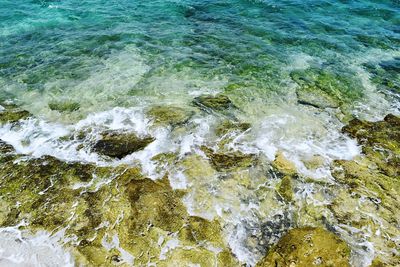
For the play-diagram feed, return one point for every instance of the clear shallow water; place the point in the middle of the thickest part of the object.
(117, 58)
(122, 53)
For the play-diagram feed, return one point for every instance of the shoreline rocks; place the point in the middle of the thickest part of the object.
(372, 185)
(228, 126)
(308, 247)
(118, 145)
(380, 141)
(12, 113)
(169, 115)
(283, 165)
(5, 147)
(99, 205)
(229, 160)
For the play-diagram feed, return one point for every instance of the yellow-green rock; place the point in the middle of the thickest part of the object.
(308, 247)
(218, 102)
(228, 126)
(285, 189)
(117, 145)
(110, 215)
(12, 113)
(64, 106)
(169, 115)
(380, 140)
(283, 165)
(229, 160)
(369, 198)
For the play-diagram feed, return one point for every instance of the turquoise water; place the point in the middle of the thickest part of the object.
(111, 61)
(60, 49)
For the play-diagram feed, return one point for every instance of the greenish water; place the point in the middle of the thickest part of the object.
(104, 54)
(100, 65)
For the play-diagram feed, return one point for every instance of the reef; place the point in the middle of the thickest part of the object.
(385, 75)
(318, 99)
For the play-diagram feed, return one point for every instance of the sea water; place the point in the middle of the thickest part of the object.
(113, 60)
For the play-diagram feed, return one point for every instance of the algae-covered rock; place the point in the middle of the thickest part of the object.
(385, 75)
(285, 188)
(108, 215)
(118, 145)
(380, 140)
(228, 126)
(12, 113)
(165, 211)
(164, 115)
(5, 148)
(218, 102)
(64, 106)
(229, 160)
(283, 165)
(316, 98)
(323, 88)
(369, 195)
(308, 247)
(314, 162)
(370, 199)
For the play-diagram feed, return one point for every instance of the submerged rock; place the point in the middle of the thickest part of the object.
(64, 106)
(118, 145)
(283, 165)
(314, 162)
(316, 98)
(12, 113)
(218, 102)
(171, 115)
(229, 160)
(308, 247)
(285, 189)
(322, 88)
(228, 126)
(385, 75)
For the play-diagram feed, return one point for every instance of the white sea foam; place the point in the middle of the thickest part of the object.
(300, 134)
(126, 257)
(19, 248)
